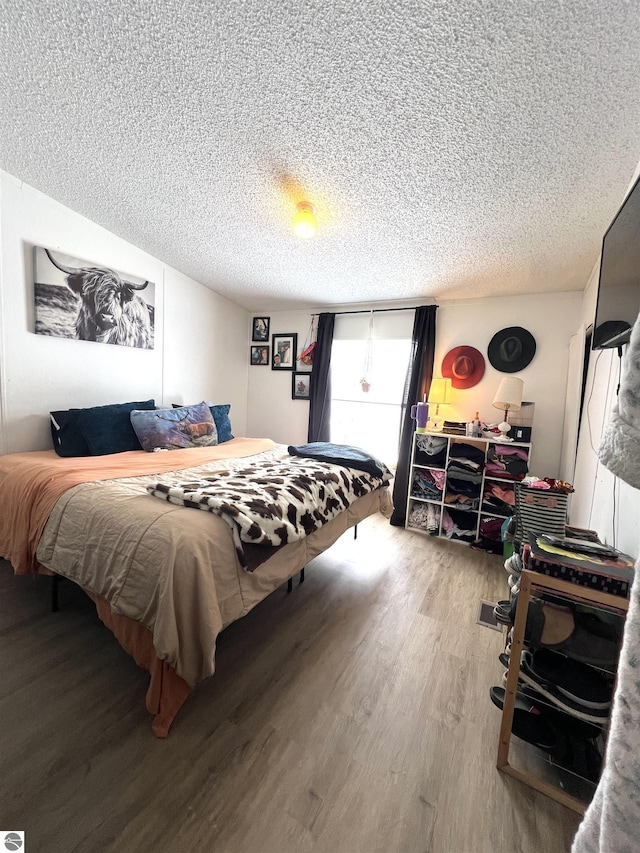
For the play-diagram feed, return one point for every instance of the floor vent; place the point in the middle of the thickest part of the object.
(486, 616)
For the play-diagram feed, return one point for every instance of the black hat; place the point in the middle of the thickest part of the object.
(512, 349)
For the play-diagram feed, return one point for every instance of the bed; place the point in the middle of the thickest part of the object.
(165, 578)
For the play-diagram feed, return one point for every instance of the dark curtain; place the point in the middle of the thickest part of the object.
(320, 390)
(419, 375)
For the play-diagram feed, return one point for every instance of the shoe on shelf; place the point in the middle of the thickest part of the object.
(513, 564)
(582, 728)
(582, 684)
(529, 724)
(594, 709)
(502, 612)
(608, 626)
(554, 733)
(583, 757)
(558, 628)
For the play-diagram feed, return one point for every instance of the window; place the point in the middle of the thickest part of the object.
(370, 419)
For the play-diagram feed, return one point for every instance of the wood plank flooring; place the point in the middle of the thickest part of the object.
(351, 716)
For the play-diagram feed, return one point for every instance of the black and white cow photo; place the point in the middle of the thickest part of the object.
(77, 299)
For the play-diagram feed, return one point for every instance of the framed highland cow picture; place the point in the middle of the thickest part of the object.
(76, 298)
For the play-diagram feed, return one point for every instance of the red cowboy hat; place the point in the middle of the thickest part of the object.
(464, 366)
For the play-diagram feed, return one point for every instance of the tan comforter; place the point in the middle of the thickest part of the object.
(171, 568)
(31, 483)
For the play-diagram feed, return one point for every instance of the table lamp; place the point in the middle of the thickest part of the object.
(438, 393)
(508, 397)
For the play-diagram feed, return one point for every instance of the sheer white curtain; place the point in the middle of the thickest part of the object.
(369, 419)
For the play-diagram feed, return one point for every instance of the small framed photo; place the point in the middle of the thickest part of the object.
(259, 355)
(283, 351)
(260, 329)
(300, 385)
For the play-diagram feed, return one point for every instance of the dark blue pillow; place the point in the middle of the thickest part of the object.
(107, 429)
(65, 433)
(221, 419)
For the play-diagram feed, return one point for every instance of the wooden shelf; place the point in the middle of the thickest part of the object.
(530, 582)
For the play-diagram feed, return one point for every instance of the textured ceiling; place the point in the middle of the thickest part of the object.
(452, 149)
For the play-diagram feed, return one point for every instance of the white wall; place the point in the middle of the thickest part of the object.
(602, 502)
(199, 336)
(271, 412)
(552, 319)
(204, 348)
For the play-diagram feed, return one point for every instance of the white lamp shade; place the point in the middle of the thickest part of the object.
(509, 394)
(439, 391)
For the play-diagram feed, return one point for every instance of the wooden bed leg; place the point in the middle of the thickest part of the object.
(355, 531)
(55, 580)
(289, 584)
(302, 575)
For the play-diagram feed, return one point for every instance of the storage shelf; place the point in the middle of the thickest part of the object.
(529, 582)
(483, 447)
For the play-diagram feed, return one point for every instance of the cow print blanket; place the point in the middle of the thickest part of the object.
(271, 503)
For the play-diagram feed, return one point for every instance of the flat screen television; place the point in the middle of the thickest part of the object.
(619, 285)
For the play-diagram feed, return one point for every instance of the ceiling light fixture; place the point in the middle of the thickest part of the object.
(304, 222)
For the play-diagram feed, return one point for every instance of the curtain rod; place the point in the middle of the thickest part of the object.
(373, 310)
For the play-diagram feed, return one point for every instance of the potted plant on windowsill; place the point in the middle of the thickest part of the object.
(364, 382)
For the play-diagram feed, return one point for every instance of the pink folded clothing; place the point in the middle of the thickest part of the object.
(509, 450)
(508, 496)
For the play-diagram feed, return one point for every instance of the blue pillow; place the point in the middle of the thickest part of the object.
(66, 436)
(221, 419)
(107, 429)
(96, 431)
(171, 429)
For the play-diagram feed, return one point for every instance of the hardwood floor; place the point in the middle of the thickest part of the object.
(351, 716)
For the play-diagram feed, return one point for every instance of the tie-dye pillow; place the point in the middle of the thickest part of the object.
(172, 429)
